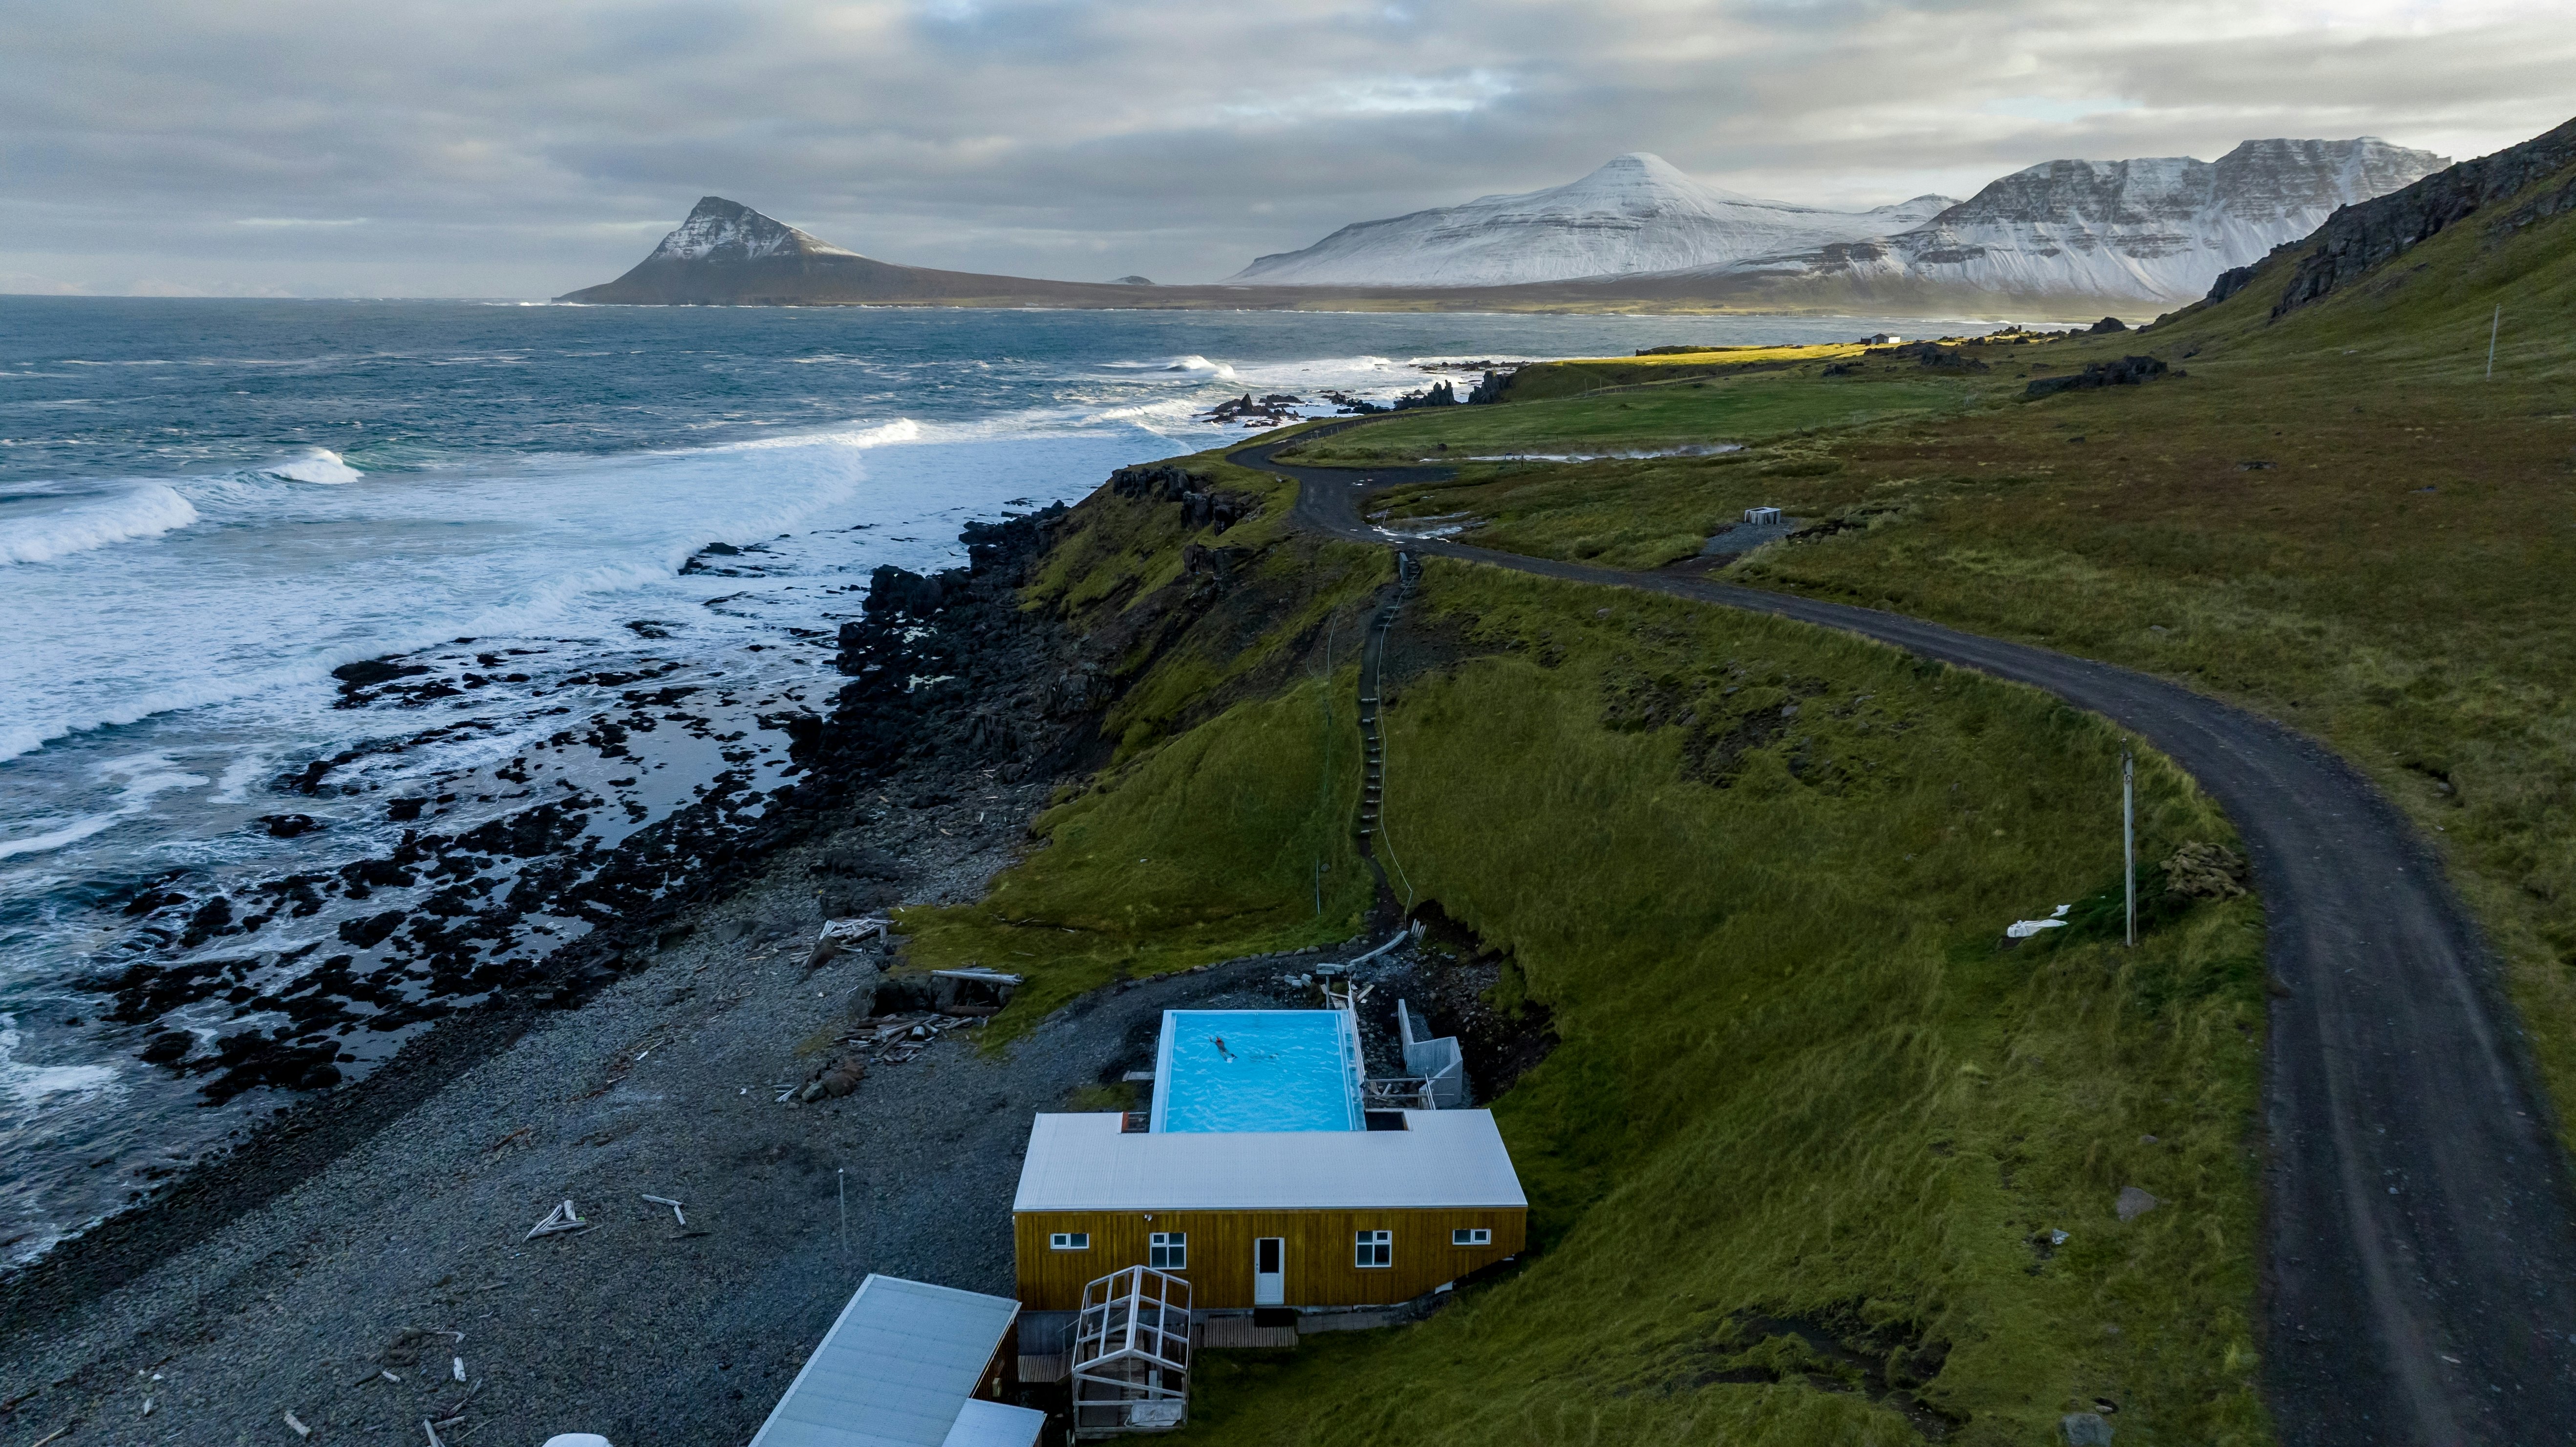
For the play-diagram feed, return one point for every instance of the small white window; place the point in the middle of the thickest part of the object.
(1168, 1250)
(1471, 1236)
(1374, 1248)
(1070, 1241)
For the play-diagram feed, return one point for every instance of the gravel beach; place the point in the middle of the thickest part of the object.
(365, 1264)
(409, 1253)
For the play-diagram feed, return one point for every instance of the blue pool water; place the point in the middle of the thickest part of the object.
(1257, 1070)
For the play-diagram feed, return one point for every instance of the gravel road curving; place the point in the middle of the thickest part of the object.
(2419, 1238)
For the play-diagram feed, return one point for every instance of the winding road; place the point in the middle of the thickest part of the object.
(2419, 1226)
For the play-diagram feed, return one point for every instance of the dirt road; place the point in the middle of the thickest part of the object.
(2419, 1251)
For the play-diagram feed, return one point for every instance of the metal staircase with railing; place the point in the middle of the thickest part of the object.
(1372, 678)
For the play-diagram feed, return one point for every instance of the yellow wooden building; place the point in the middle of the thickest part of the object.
(1267, 1219)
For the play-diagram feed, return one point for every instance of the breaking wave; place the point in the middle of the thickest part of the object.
(1193, 363)
(316, 464)
(32, 533)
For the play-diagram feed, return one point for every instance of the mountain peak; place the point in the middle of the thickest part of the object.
(1634, 213)
(2157, 228)
(722, 230)
(1644, 164)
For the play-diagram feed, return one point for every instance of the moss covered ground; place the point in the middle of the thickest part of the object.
(1741, 405)
(1811, 1127)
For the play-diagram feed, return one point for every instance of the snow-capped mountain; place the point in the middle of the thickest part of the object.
(1635, 214)
(2157, 229)
(722, 230)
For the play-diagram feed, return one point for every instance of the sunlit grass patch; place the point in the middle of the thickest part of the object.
(1725, 410)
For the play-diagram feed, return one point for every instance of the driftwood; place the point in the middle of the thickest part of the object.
(842, 934)
(456, 1412)
(562, 1218)
(298, 1428)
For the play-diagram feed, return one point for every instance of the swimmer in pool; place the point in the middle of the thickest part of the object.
(1219, 1042)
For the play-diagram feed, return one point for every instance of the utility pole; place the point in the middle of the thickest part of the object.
(2493, 328)
(2129, 838)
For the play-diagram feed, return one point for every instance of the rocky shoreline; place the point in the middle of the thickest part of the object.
(692, 1046)
(916, 784)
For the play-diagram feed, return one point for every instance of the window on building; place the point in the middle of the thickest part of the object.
(1471, 1236)
(1374, 1248)
(1070, 1241)
(1168, 1250)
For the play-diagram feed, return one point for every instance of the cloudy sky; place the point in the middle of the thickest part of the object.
(483, 148)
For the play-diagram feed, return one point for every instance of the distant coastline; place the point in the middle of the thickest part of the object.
(886, 284)
(727, 254)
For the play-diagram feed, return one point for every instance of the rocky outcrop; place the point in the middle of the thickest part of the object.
(2126, 372)
(1200, 506)
(2156, 228)
(2359, 237)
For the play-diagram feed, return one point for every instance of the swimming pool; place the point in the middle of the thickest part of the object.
(1257, 1070)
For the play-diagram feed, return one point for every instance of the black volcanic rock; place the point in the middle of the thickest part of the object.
(2126, 372)
(2357, 238)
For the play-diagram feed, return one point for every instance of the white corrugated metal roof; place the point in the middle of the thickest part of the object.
(1444, 1158)
(895, 1370)
(991, 1424)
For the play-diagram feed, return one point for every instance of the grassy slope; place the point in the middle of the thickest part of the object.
(1230, 839)
(1798, 1077)
(2394, 581)
(1756, 404)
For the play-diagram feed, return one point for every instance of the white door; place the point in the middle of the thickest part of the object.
(1270, 1271)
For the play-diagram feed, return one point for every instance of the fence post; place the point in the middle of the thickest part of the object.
(2129, 838)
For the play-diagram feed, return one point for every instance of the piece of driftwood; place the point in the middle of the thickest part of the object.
(298, 1428)
(674, 1205)
(58, 1431)
(561, 1218)
(458, 1364)
(431, 1433)
(842, 934)
(455, 1411)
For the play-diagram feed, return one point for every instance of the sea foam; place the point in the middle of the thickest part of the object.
(316, 464)
(84, 521)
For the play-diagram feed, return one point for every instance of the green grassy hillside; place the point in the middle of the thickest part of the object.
(1796, 1164)
(2337, 517)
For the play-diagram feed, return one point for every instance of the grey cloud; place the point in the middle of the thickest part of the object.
(515, 149)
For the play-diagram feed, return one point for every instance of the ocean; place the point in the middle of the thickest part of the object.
(206, 507)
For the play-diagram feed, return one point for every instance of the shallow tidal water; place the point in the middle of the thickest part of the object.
(208, 506)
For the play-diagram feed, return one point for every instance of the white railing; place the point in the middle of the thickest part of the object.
(1437, 1060)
